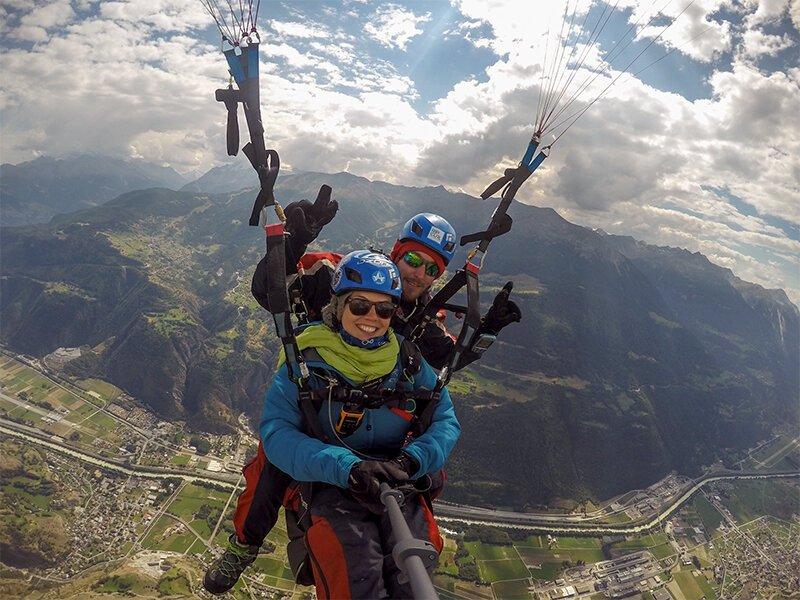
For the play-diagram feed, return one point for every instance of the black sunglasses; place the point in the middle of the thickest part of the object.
(360, 307)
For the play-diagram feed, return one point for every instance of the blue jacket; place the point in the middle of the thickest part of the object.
(308, 459)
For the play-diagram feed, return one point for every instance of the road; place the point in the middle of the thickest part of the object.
(84, 396)
(445, 512)
(34, 436)
(561, 525)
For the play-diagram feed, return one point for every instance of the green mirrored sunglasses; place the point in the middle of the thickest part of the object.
(412, 259)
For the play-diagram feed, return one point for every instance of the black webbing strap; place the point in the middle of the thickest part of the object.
(310, 404)
(231, 98)
(267, 174)
(279, 303)
(370, 399)
(499, 224)
(472, 321)
(437, 301)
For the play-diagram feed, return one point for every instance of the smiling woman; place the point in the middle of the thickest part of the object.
(365, 426)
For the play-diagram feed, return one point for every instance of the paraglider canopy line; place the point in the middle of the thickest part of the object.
(615, 79)
(550, 118)
(615, 53)
(569, 58)
(236, 23)
(213, 9)
(593, 37)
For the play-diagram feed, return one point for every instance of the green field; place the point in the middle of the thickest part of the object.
(177, 538)
(201, 526)
(578, 542)
(447, 564)
(750, 499)
(501, 570)
(662, 551)
(490, 551)
(511, 590)
(273, 567)
(104, 389)
(774, 452)
(173, 583)
(586, 555)
(647, 541)
(548, 572)
(103, 421)
(192, 497)
(156, 532)
(178, 542)
(80, 413)
(179, 460)
(708, 514)
(692, 587)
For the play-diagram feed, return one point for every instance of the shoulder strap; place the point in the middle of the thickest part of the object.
(279, 303)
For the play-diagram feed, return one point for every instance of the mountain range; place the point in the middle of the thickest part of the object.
(631, 360)
(34, 191)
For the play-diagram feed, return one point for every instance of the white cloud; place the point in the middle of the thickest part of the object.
(394, 26)
(691, 29)
(33, 25)
(757, 43)
(639, 151)
(290, 29)
(135, 78)
(765, 10)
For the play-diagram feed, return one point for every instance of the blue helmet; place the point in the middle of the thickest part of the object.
(432, 231)
(367, 271)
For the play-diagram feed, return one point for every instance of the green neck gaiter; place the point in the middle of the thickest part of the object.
(357, 364)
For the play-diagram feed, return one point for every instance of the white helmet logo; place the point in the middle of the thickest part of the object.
(378, 277)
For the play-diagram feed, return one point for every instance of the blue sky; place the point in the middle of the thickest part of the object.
(698, 151)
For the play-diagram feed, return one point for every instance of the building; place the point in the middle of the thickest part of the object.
(562, 592)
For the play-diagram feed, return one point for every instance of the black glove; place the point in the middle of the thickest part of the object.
(407, 462)
(364, 481)
(502, 312)
(305, 220)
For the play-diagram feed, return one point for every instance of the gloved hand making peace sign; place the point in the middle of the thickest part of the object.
(305, 220)
(502, 312)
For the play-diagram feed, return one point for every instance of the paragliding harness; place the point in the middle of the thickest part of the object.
(500, 223)
(416, 405)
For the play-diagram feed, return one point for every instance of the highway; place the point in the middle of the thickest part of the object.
(562, 525)
(557, 524)
(41, 439)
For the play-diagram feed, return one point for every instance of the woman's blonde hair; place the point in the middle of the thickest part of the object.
(332, 312)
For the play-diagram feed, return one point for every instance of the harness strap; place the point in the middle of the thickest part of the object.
(370, 399)
(359, 399)
(469, 328)
(267, 172)
(279, 302)
(428, 313)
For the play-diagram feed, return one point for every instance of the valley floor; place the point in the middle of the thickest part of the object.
(101, 499)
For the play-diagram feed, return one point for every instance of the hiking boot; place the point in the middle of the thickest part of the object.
(224, 572)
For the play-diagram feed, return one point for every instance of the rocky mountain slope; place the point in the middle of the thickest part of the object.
(631, 360)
